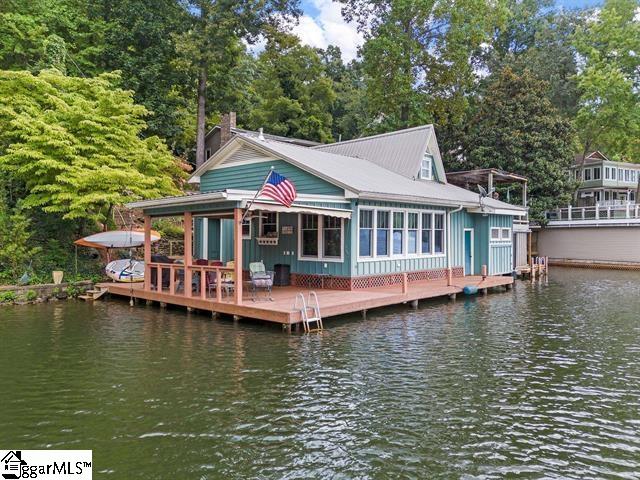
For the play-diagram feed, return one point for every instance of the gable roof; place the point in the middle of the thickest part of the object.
(359, 177)
(399, 151)
(252, 133)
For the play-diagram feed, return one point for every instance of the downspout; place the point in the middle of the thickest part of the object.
(449, 271)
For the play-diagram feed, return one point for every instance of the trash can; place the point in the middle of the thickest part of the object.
(282, 275)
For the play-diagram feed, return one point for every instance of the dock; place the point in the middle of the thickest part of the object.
(281, 310)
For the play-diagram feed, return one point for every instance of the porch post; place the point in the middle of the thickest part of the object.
(237, 253)
(188, 253)
(147, 252)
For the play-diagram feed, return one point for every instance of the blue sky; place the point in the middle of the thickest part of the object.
(322, 24)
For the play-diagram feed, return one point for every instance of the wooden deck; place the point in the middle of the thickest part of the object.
(332, 302)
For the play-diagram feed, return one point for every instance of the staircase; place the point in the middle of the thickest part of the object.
(309, 309)
(94, 294)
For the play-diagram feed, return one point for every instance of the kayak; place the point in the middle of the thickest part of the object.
(127, 270)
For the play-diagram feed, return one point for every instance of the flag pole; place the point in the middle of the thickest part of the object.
(266, 179)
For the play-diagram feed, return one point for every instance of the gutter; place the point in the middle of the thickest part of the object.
(460, 207)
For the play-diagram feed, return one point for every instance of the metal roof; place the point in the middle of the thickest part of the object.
(296, 141)
(400, 151)
(369, 180)
(481, 175)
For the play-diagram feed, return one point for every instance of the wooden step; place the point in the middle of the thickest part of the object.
(86, 297)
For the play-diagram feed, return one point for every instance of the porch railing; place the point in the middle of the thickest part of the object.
(598, 212)
(177, 278)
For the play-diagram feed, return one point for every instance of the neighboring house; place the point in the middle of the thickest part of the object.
(605, 182)
(366, 210)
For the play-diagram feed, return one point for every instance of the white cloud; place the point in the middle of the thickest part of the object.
(329, 28)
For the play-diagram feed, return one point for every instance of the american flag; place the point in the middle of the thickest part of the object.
(280, 189)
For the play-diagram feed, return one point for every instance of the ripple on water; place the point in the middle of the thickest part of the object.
(541, 382)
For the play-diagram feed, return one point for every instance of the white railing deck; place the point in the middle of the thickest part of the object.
(599, 213)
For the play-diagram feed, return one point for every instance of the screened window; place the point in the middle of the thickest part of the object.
(438, 232)
(495, 234)
(412, 233)
(331, 237)
(382, 234)
(426, 233)
(366, 233)
(426, 167)
(398, 233)
(506, 234)
(596, 173)
(309, 227)
(269, 224)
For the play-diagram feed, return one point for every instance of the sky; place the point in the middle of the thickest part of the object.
(322, 24)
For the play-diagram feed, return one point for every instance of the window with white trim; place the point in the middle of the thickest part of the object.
(246, 229)
(320, 237)
(382, 233)
(412, 232)
(506, 234)
(398, 233)
(426, 167)
(596, 173)
(365, 233)
(500, 234)
(627, 174)
(620, 174)
(403, 233)
(587, 174)
(268, 224)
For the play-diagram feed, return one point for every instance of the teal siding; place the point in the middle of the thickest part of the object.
(251, 176)
(500, 254)
(460, 221)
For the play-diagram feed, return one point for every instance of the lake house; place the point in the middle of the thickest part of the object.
(370, 212)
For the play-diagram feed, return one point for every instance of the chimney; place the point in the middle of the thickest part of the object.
(227, 123)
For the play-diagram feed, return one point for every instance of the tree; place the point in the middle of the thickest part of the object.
(294, 94)
(419, 56)
(609, 82)
(75, 144)
(15, 236)
(517, 129)
(217, 28)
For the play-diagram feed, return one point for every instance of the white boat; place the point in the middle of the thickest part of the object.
(118, 239)
(127, 270)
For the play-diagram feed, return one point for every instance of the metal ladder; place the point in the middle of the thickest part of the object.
(306, 306)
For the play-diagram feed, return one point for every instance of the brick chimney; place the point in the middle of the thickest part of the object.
(227, 123)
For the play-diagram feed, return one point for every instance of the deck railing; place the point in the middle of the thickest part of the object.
(598, 212)
(177, 278)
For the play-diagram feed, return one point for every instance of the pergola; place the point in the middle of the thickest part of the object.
(488, 177)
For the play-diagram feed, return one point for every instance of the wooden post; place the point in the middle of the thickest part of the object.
(483, 271)
(405, 284)
(147, 252)
(218, 285)
(449, 277)
(203, 284)
(237, 250)
(172, 280)
(188, 253)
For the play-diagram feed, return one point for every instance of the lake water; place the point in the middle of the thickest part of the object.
(543, 381)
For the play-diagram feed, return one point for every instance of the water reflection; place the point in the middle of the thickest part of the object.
(539, 382)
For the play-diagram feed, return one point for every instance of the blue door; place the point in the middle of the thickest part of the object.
(468, 252)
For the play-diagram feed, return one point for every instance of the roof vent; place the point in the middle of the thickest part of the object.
(260, 134)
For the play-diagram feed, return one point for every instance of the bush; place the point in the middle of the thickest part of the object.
(31, 295)
(8, 297)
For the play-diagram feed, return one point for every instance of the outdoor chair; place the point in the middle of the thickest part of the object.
(260, 279)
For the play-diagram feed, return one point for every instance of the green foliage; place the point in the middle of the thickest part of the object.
(518, 130)
(75, 144)
(16, 250)
(295, 96)
(8, 297)
(30, 296)
(168, 228)
(73, 291)
(609, 115)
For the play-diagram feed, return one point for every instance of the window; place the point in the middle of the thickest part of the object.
(320, 237)
(438, 232)
(208, 154)
(587, 174)
(398, 233)
(627, 175)
(596, 173)
(382, 234)
(495, 234)
(426, 233)
(426, 167)
(620, 173)
(499, 234)
(246, 229)
(269, 224)
(633, 175)
(576, 174)
(365, 237)
(606, 173)
(506, 234)
(331, 237)
(309, 229)
(412, 233)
